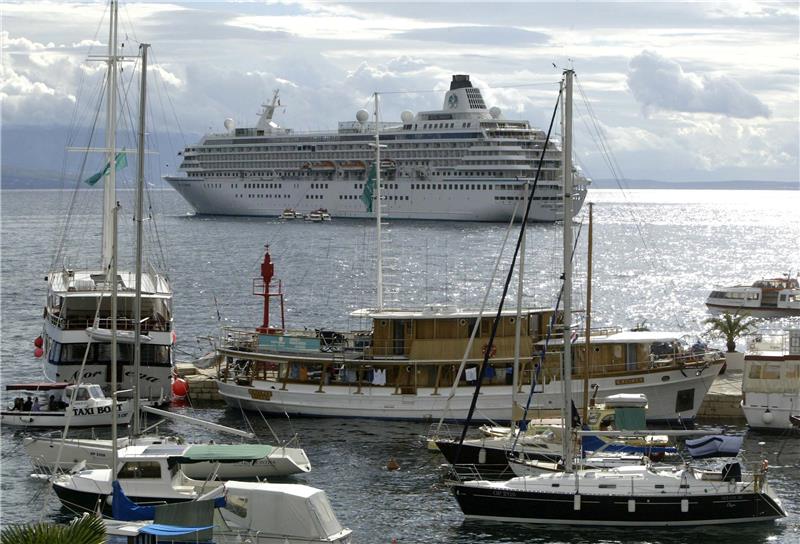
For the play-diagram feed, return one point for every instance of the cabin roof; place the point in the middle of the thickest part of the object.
(439, 312)
(624, 337)
(81, 283)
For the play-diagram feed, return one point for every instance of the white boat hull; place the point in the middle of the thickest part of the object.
(772, 412)
(662, 389)
(403, 203)
(81, 417)
(44, 452)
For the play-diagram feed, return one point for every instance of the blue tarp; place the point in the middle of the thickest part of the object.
(124, 509)
(171, 530)
(715, 445)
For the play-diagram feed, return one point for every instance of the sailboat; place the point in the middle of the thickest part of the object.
(641, 495)
(49, 454)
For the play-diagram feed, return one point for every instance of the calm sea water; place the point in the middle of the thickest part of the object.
(656, 256)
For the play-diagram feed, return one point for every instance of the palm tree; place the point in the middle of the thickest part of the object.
(730, 327)
(86, 529)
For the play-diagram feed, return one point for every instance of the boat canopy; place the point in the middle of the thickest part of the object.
(223, 453)
(284, 509)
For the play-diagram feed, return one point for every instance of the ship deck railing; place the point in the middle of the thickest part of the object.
(82, 322)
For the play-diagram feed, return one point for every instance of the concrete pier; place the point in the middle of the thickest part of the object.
(202, 387)
(722, 400)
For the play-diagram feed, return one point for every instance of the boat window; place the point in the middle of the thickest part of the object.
(95, 392)
(140, 469)
(755, 371)
(236, 504)
(771, 372)
(82, 394)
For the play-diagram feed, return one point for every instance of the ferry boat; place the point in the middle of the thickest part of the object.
(771, 382)
(776, 297)
(464, 162)
(404, 363)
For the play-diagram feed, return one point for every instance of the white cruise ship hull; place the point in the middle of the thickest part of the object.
(342, 201)
(662, 389)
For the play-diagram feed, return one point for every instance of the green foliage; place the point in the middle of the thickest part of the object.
(730, 327)
(86, 529)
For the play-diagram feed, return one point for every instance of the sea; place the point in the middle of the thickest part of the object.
(656, 255)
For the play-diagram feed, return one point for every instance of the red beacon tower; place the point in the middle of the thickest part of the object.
(261, 288)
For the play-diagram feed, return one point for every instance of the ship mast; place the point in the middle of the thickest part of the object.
(138, 219)
(567, 238)
(109, 186)
(378, 205)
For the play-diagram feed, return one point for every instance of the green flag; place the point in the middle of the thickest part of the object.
(369, 187)
(121, 161)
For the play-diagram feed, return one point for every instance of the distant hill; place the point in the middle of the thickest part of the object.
(727, 185)
(34, 157)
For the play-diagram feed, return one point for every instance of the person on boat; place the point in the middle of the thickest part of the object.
(27, 405)
(52, 404)
(35, 407)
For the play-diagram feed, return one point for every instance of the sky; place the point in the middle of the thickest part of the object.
(679, 91)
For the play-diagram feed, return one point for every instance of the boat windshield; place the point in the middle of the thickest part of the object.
(95, 392)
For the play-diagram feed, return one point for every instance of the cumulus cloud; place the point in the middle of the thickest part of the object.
(661, 83)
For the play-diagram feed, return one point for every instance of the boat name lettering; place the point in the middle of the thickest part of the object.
(625, 381)
(503, 493)
(258, 394)
(90, 411)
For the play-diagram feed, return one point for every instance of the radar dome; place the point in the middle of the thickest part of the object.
(229, 123)
(495, 112)
(362, 116)
(407, 117)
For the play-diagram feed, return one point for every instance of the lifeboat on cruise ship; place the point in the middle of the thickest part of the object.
(352, 165)
(324, 165)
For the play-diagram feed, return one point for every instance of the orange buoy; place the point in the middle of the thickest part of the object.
(392, 464)
(179, 388)
(38, 342)
(38, 352)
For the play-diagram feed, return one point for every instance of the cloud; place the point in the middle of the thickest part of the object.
(661, 83)
(476, 34)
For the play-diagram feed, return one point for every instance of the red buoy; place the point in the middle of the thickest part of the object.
(39, 342)
(179, 388)
(38, 352)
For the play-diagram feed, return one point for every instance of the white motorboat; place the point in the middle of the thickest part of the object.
(270, 513)
(83, 405)
(775, 297)
(771, 381)
(289, 214)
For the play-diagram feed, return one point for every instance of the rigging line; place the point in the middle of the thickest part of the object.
(496, 323)
(73, 201)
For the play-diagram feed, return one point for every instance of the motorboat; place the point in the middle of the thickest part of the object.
(55, 404)
(290, 214)
(771, 381)
(774, 297)
(270, 513)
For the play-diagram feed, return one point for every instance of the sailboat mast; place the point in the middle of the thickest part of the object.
(567, 363)
(109, 185)
(378, 203)
(137, 304)
(587, 355)
(113, 379)
(518, 329)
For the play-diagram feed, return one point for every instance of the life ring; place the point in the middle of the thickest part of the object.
(492, 352)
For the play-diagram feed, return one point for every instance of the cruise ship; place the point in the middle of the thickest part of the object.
(464, 162)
